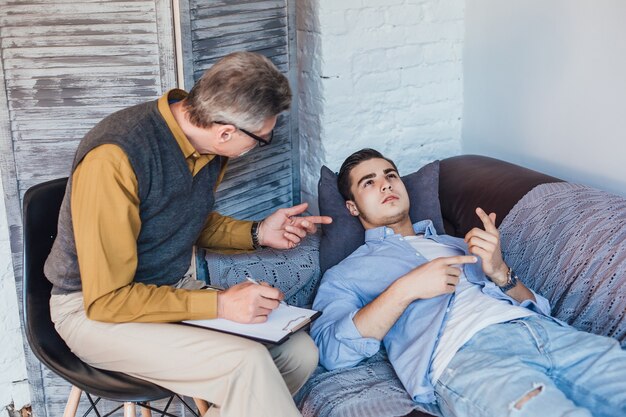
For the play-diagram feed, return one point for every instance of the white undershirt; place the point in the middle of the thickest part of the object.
(470, 312)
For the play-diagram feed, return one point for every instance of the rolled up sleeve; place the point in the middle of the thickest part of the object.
(541, 305)
(339, 342)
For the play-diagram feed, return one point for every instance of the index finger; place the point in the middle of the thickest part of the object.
(458, 260)
(487, 222)
(317, 219)
(295, 210)
(271, 293)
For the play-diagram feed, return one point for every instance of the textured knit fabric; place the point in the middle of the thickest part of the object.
(174, 205)
(295, 271)
(371, 389)
(569, 243)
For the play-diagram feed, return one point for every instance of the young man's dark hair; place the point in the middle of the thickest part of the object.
(343, 179)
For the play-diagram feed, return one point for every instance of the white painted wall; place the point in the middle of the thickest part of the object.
(545, 85)
(385, 74)
(14, 387)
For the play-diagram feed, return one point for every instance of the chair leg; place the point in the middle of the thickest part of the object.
(129, 409)
(202, 405)
(146, 412)
(72, 402)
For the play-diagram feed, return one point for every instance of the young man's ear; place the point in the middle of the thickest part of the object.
(351, 206)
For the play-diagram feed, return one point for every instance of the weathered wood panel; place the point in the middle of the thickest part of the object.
(263, 180)
(64, 66)
(265, 205)
(12, 203)
(266, 187)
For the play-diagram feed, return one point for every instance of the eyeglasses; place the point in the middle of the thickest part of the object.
(262, 141)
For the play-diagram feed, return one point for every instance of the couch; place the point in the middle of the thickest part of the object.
(566, 241)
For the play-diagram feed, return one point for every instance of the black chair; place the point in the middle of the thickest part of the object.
(41, 207)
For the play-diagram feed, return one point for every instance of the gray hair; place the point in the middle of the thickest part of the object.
(243, 88)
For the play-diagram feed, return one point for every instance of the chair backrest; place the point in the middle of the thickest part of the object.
(41, 207)
(40, 215)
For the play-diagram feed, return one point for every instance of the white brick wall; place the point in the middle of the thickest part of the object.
(13, 379)
(385, 74)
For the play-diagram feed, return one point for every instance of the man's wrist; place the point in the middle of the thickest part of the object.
(257, 235)
(219, 309)
(511, 281)
(403, 296)
(501, 277)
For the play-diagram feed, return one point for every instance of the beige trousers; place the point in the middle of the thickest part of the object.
(239, 376)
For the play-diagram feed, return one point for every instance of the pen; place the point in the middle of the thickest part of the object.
(254, 281)
(212, 287)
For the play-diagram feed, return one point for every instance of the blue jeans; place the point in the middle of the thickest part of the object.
(202, 269)
(566, 372)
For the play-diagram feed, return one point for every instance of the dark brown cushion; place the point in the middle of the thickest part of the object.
(470, 181)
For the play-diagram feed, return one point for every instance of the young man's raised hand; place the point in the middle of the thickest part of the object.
(486, 244)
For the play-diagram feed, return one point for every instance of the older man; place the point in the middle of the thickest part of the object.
(139, 198)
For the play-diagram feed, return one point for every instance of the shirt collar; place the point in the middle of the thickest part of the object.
(164, 108)
(425, 227)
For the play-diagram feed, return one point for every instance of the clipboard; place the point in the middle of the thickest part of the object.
(281, 323)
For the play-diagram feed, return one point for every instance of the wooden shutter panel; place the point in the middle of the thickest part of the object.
(69, 64)
(267, 178)
(65, 65)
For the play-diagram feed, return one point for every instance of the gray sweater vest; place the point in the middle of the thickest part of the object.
(174, 205)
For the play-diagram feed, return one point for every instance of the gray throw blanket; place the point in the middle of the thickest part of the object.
(370, 389)
(568, 242)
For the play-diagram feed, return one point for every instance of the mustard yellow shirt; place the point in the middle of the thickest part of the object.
(105, 216)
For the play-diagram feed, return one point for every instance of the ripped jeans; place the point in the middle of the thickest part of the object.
(534, 367)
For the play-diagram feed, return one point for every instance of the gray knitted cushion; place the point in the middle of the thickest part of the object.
(568, 242)
(295, 272)
(370, 389)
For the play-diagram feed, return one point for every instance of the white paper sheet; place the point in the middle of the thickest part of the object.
(280, 323)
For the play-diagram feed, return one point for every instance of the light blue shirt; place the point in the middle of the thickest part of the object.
(411, 341)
